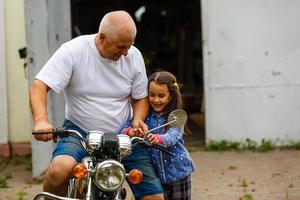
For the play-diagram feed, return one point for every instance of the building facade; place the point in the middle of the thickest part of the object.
(15, 127)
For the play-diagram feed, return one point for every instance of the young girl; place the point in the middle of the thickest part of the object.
(175, 170)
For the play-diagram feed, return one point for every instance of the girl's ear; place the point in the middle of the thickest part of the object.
(171, 97)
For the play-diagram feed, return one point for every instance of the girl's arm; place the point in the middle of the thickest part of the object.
(130, 131)
(125, 128)
(170, 138)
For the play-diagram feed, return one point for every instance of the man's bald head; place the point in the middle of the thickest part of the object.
(118, 23)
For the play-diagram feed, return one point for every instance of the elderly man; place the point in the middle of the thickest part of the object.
(103, 78)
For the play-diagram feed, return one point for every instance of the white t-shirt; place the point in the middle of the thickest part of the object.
(97, 90)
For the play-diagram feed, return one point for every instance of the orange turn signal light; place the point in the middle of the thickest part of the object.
(80, 171)
(135, 176)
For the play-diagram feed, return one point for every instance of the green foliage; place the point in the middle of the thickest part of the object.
(224, 145)
(6, 173)
(21, 195)
(4, 164)
(17, 160)
(244, 183)
(20, 160)
(246, 197)
(265, 146)
(297, 145)
(29, 166)
(3, 183)
(194, 149)
(249, 145)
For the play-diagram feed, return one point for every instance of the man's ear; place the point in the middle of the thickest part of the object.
(101, 37)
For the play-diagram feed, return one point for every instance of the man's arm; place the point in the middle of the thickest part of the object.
(140, 112)
(38, 104)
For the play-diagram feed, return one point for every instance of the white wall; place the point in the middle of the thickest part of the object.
(3, 90)
(48, 25)
(251, 67)
(17, 82)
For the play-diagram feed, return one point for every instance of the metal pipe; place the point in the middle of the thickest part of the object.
(52, 196)
(160, 126)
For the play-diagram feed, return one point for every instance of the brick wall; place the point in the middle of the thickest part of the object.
(15, 149)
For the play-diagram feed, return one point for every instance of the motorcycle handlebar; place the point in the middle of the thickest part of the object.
(148, 144)
(60, 132)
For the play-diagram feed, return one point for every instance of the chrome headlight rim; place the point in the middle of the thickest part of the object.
(112, 165)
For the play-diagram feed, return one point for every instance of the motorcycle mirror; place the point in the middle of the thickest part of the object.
(177, 118)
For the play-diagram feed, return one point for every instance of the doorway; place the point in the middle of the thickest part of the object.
(169, 37)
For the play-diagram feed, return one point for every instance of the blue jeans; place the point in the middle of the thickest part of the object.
(139, 159)
(69, 145)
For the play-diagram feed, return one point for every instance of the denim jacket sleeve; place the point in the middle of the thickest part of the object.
(172, 136)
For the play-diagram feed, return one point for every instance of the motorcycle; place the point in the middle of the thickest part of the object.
(101, 175)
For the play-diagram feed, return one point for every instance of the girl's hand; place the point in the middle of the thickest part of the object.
(152, 138)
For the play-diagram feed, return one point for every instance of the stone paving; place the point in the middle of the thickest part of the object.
(273, 175)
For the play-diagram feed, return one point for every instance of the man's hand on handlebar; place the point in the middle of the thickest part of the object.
(43, 126)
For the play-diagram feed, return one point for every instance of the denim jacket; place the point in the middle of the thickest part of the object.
(169, 168)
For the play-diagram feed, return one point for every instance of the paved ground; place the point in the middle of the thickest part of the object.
(219, 176)
(273, 175)
(247, 176)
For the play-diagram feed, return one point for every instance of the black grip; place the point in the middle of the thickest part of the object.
(158, 146)
(60, 132)
(163, 148)
(48, 132)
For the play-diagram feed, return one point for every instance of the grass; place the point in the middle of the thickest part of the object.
(247, 145)
(250, 145)
(21, 195)
(6, 173)
(3, 183)
(246, 197)
(224, 145)
(194, 149)
(297, 145)
(244, 185)
(17, 160)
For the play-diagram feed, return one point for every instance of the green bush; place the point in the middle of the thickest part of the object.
(224, 145)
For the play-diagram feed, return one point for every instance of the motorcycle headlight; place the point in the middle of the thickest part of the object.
(109, 175)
